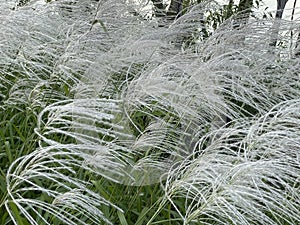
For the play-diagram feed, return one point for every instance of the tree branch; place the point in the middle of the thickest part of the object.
(159, 8)
(174, 9)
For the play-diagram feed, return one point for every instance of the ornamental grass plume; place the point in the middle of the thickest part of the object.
(247, 174)
(96, 98)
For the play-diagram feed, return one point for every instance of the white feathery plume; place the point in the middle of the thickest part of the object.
(247, 174)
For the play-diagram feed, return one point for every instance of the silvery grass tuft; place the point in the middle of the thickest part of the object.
(91, 90)
(248, 174)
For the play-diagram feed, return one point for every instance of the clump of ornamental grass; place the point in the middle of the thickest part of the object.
(95, 98)
(247, 173)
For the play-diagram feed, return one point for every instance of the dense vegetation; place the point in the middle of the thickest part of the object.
(109, 117)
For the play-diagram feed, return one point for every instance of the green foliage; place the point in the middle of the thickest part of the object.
(216, 18)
